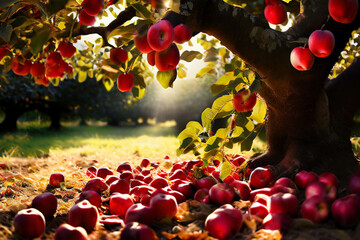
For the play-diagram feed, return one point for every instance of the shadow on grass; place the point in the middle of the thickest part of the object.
(37, 142)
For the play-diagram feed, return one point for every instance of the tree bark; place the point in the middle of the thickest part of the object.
(307, 128)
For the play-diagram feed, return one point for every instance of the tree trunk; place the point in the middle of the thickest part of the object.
(55, 120)
(309, 117)
(9, 124)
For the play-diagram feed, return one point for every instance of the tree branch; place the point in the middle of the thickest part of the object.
(104, 32)
(246, 35)
(344, 98)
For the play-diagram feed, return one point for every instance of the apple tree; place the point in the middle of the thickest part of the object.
(279, 59)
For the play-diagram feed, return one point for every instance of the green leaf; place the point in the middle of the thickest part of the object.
(6, 3)
(222, 83)
(108, 84)
(222, 106)
(206, 118)
(82, 76)
(229, 67)
(138, 92)
(166, 79)
(242, 119)
(195, 125)
(255, 86)
(222, 133)
(247, 143)
(56, 5)
(210, 68)
(212, 143)
(40, 38)
(225, 170)
(5, 32)
(259, 111)
(142, 10)
(185, 143)
(189, 56)
(124, 31)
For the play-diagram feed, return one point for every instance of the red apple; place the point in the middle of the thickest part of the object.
(346, 210)
(160, 35)
(266, 191)
(104, 172)
(178, 174)
(91, 172)
(92, 7)
(224, 222)
(186, 188)
(118, 56)
(93, 197)
(127, 175)
(125, 82)
(238, 160)
(221, 193)
(86, 19)
(141, 191)
(258, 210)
(66, 49)
(182, 33)
(141, 43)
(56, 179)
(145, 163)
(242, 189)
(206, 182)
(286, 182)
(321, 43)
(29, 223)
(316, 209)
(137, 231)
(304, 178)
(277, 221)
(343, 11)
(302, 59)
(120, 203)
(167, 59)
(3, 52)
(261, 177)
(159, 182)
(202, 195)
(120, 186)
(125, 166)
(163, 206)
(140, 213)
(329, 178)
(37, 69)
(275, 13)
(282, 189)
(20, 66)
(83, 214)
(354, 183)
(96, 184)
(243, 101)
(320, 189)
(68, 232)
(110, 179)
(262, 199)
(46, 203)
(283, 203)
(136, 182)
(145, 172)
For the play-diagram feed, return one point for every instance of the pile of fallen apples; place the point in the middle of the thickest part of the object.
(138, 199)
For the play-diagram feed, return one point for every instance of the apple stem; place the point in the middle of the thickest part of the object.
(327, 20)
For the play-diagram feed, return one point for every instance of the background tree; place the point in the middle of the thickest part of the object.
(309, 113)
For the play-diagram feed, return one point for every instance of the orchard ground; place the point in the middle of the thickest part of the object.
(33, 153)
